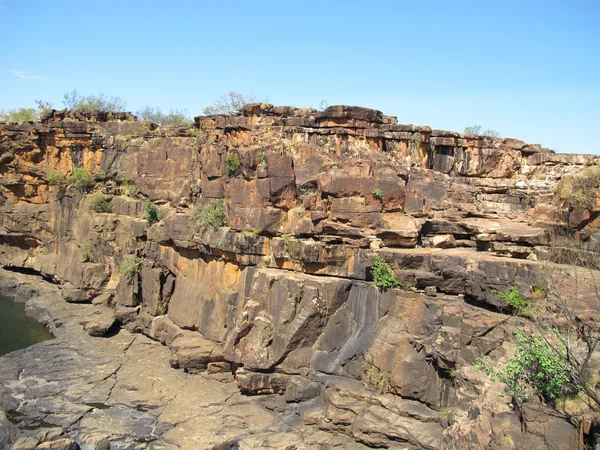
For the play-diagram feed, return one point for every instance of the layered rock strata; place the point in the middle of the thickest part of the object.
(282, 295)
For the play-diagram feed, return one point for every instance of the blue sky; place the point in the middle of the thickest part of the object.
(528, 69)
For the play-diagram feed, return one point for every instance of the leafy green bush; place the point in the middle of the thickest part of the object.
(383, 274)
(513, 299)
(232, 163)
(81, 179)
(536, 368)
(56, 178)
(129, 265)
(212, 214)
(98, 203)
(377, 194)
(151, 213)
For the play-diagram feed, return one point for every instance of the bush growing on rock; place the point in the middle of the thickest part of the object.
(56, 178)
(581, 191)
(98, 203)
(513, 298)
(536, 368)
(81, 179)
(129, 265)
(232, 163)
(212, 214)
(377, 194)
(383, 274)
(151, 213)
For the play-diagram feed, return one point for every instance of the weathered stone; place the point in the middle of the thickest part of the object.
(60, 444)
(100, 321)
(25, 443)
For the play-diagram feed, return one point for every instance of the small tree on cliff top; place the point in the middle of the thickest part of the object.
(231, 103)
(74, 100)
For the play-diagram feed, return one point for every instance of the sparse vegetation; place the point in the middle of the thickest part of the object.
(513, 298)
(292, 248)
(151, 213)
(232, 163)
(81, 179)
(129, 265)
(231, 103)
(74, 100)
(262, 159)
(98, 203)
(56, 178)
(212, 214)
(267, 332)
(379, 379)
(377, 194)
(21, 115)
(161, 308)
(581, 191)
(176, 117)
(130, 189)
(87, 256)
(476, 129)
(405, 286)
(383, 274)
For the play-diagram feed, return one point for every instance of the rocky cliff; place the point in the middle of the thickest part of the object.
(245, 244)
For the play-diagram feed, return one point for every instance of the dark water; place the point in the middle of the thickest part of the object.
(16, 329)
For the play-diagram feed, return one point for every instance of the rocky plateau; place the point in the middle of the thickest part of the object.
(221, 294)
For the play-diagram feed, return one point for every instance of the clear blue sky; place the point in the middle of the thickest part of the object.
(528, 69)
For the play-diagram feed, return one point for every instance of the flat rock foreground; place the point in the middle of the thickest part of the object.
(122, 392)
(292, 278)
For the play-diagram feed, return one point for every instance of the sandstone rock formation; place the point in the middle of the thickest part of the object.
(283, 296)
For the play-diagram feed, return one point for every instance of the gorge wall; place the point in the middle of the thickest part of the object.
(283, 296)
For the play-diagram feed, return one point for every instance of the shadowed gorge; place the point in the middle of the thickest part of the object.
(318, 279)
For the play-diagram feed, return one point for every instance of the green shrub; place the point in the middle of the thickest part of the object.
(536, 368)
(513, 299)
(377, 194)
(212, 214)
(383, 274)
(81, 179)
(129, 265)
(292, 248)
(151, 213)
(130, 189)
(56, 178)
(87, 256)
(232, 163)
(161, 308)
(405, 286)
(98, 203)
